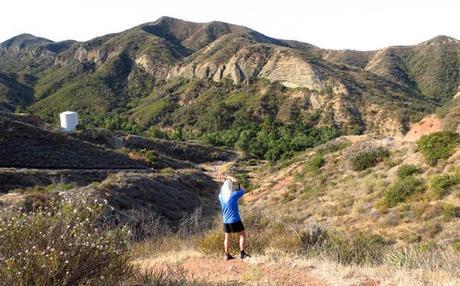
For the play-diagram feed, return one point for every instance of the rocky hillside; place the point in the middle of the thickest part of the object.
(383, 185)
(164, 71)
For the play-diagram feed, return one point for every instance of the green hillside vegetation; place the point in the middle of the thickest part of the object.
(402, 189)
(438, 146)
(389, 190)
(126, 75)
(450, 113)
(443, 185)
(14, 92)
(437, 75)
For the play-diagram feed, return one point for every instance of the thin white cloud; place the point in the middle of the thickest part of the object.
(337, 24)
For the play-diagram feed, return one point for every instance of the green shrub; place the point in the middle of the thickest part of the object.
(402, 189)
(155, 132)
(151, 157)
(368, 159)
(407, 170)
(442, 184)
(167, 171)
(61, 245)
(438, 146)
(243, 179)
(456, 245)
(450, 212)
(315, 163)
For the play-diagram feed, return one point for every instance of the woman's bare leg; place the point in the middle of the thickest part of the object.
(227, 242)
(242, 240)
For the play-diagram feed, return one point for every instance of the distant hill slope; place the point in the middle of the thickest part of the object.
(26, 145)
(15, 92)
(171, 72)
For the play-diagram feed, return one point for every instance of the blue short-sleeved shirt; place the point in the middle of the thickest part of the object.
(230, 209)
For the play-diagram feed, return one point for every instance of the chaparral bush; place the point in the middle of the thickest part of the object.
(407, 170)
(402, 189)
(438, 146)
(368, 159)
(62, 244)
(442, 185)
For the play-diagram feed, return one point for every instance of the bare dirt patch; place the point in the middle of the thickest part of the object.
(427, 125)
(252, 271)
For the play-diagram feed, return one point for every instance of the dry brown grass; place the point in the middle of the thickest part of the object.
(344, 199)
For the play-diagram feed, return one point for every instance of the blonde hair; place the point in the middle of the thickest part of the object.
(226, 190)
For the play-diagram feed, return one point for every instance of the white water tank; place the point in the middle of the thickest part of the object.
(69, 120)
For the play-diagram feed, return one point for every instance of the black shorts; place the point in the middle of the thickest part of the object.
(233, 227)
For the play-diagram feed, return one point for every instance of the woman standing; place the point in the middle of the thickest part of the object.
(228, 197)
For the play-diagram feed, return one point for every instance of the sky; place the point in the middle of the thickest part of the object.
(333, 24)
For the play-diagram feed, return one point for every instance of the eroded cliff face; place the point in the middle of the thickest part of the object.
(251, 63)
(157, 69)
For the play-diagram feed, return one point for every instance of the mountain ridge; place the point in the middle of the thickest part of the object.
(154, 73)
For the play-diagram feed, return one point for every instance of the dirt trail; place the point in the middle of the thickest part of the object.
(216, 271)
